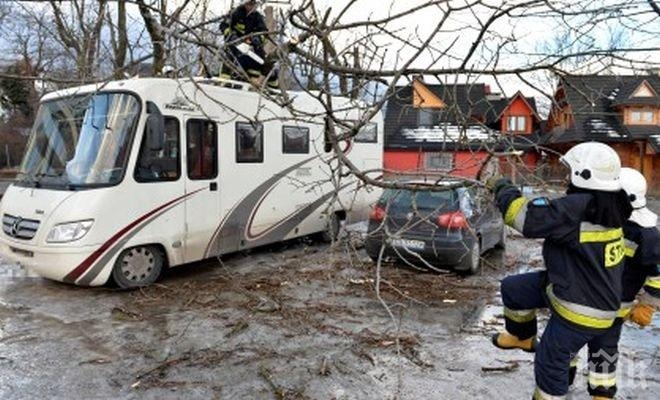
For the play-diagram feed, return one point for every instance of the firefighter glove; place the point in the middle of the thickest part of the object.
(641, 314)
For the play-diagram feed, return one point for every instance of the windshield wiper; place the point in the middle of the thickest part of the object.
(30, 179)
(48, 175)
(35, 179)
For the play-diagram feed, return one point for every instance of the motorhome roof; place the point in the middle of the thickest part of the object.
(143, 85)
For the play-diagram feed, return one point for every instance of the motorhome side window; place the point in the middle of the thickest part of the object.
(249, 142)
(156, 165)
(202, 149)
(295, 140)
(367, 134)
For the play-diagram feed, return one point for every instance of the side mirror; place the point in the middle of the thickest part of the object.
(155, 128)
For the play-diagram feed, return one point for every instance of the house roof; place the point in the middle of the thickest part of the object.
(499, 106)
(628, 88)
(462, 100)
(454, 137)
(594, 102)
(457, 123)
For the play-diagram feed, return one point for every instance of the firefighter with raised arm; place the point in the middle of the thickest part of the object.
(641, 271)
(583, 253)
(244, 31)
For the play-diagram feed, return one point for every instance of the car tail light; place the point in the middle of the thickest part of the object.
(377, 214)
(455, 219)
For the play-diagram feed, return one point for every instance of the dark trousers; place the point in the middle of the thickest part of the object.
(603, 359)
(524, 293)
(559, 344)
(239, 66)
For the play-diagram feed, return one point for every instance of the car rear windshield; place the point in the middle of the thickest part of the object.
(422, 200)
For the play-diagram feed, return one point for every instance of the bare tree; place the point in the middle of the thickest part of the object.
(371, 52)
(157, 20)
(79, 30)
(118, 38)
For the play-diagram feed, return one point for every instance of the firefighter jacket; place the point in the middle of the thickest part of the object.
(641, 266)
(241, 23)
(584, 260)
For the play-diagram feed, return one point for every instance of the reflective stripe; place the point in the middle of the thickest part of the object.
(240, 28)
(602, 379)
(515, 214)
(588, 226)
(541, 395)
(624, 309)
(581, 314)
(520, 316)
(574, 361)
(653, 282)
(254, 72)
(631, 248)
(597, 233)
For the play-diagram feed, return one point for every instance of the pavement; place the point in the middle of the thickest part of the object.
(298, 320)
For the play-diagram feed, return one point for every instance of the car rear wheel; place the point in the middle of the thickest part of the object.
(138, 266)
(470, 264)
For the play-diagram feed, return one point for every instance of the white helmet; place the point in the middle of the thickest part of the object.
(634, 183)
(594, 166)
(168, 69)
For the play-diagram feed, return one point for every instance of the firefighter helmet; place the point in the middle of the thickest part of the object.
(594, 166)
(634, 183)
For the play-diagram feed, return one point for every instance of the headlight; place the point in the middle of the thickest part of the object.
(69, 231)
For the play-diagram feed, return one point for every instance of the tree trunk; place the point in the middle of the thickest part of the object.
(121, 41)
(155, 30)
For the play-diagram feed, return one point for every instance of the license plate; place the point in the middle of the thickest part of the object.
(409, 244)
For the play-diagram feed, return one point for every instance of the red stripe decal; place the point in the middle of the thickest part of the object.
(77, 272)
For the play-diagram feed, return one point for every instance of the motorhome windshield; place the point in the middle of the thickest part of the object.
(80, 141)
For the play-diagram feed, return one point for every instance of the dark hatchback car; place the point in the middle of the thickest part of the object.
(450, 225)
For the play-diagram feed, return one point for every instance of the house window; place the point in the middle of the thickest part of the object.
(425, 117)
(155, 165)
(295, 140)
(439, 161)
(249, 142)
(641, 117)
(368, 134)
(516, 124)
(202, 149)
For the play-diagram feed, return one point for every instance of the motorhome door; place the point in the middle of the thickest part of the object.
(202, 163)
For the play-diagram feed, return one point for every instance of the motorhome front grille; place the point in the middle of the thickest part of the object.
(18, 227)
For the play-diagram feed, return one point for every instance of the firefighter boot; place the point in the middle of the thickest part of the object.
(507, 341)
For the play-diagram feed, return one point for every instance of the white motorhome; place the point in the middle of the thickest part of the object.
(126, 178)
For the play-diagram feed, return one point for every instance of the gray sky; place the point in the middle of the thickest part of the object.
(528, 35)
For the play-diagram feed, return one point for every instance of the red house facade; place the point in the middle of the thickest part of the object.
(450, 130)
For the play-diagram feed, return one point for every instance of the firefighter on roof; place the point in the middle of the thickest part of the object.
(245, 25)
(583, 253)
